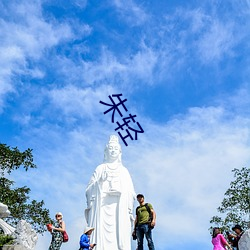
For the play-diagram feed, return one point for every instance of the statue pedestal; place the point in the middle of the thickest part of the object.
(13, 247)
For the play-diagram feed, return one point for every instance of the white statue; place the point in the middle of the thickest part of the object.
(244, 242)
(4, 212)
(25, 235)
(110, 197)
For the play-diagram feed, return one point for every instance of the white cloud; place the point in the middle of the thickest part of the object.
(131, 12)
(123, 70)
(240, 100)
(25, 35)
(143, 63)
(198, 33)
(106, 68)
(217, 42)
(198, 19)
(30, 32)
(83, 102)
(10, 58)
(80, 3)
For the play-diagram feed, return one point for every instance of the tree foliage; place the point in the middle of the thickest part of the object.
(17, 199)
(6, 239)
(235, 206)
(13, 158)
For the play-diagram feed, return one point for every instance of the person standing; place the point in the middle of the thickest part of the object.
(143, 225)
(56, 231)
(85, 239)
(218, 240)
(239, 231)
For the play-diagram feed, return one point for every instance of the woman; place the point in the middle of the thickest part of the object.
(218, 240)
(84, 240)
(56, 231)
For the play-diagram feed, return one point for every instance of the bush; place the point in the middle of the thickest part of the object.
(6, 240)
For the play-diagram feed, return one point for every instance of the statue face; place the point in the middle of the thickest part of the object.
(113, 150)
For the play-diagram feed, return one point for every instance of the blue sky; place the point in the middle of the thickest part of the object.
(183, 67)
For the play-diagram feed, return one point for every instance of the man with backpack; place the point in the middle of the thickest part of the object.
(144, 223)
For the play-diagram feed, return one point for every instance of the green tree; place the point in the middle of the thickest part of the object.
(235, 207)
(17, 199)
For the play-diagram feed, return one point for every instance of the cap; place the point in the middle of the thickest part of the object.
(237, 227)
(140, 195)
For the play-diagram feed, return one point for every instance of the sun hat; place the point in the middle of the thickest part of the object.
(87, 229)
(59, 213)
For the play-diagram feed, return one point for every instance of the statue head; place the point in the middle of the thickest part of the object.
(4, 211)
(113, 150)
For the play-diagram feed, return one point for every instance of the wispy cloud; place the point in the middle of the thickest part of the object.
(23, 38)
(217, 42)
(79, 102)
(121, 70)
(131, 12)
(106, 68)
(80, 3)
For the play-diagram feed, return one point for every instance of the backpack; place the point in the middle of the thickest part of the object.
(149, 212)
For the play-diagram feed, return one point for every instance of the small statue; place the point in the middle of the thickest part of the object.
(4, 212)
(23, 234)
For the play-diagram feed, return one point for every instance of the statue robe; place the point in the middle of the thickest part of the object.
(110, 197)
(244, 242)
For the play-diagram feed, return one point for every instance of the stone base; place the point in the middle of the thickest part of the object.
(13, 247)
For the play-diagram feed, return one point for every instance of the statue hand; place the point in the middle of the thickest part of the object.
(104, 176)
(132, 217)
